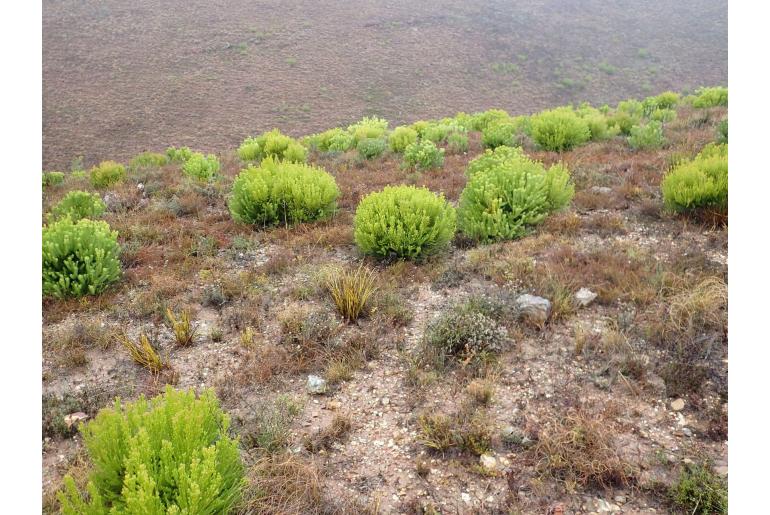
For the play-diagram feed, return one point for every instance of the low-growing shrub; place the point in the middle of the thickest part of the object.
(710, 97)
(559, 129)
(143, 353)
(202, 168)
(107, 173)
(272, 144)
(178, 155)
(52, 178)
(722, 131)
(663, 115)
(627, 114)
(368, 128)
(648, 136)
(77, 205)
(401, 137)
(439, 132)
(335, 140)
(666, 100)
(404, 221)
(494, 158)
(148, 160)
(700, 184)
(282, 192)
(184, 329)
(79, 258)
(480, 121)
(369, 148)
(464, 335)
(501, 201)
(457, 143)
(172, 454)
(499, 132)
(423, 155)
(698, 490)
(351, 290)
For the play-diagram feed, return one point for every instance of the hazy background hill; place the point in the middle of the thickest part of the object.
(122, 77)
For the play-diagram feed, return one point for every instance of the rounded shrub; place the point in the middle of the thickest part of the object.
(332, 140)
(202, 168)
(401, 137)
(178, 155)
(405, 222)
(465, 335)
(480, 121)
(559, 129)
(666, 100)
(172, 454)
(79, 258)
(439, 132)
(699, 184)
(368, 128)
(77, 205)
(107, 173)
(710, 97)
(423, 155)
(282, 193)
(369, 148)
(52, 178)
(491, 159)
(272, 144)
(457, 143)
(501, 201)
(648, 136)
(499, 133)
(149, 160)
(598, 126)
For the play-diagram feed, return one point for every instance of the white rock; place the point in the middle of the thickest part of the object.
(74, 418)
(466, 497)
(316, 385)
(534, 309)
(488, 461)
(584, 297)
(677, 404)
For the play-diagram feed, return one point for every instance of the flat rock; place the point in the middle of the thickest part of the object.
(533, 309)
(584, 297)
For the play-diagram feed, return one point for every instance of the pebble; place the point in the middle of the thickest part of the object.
(677, 404)
(316, 385)
(584, 297)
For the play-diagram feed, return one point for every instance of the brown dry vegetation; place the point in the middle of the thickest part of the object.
(572, 412)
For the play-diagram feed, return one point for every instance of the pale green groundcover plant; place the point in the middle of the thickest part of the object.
(423, 155)
(401, 137)
(202, 168)
(171, 455)
(76, 205)
(79, 258)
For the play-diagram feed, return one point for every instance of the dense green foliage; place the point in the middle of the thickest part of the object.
(77, 205)
(404, 221)
(79, 258)
(368, 128)
(457, 143)
(401, 137)
(598, 126)
(648, 136)
(202, 168)
(107, 173)
(52, 178)
(169, 455)
(272, 144)
(423, 155)
(698, 184)
(282, 192)
(722, 131)
(149, 160)
(559, 129)
(710, 97)
(627, 114)
(666, 100)
(480, 121)
(178, 155)
(369, 148)
(500, 132)
(698, 490)
(507, 192)
(439, 132)
(333, 140)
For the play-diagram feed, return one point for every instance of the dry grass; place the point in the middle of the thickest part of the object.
(282, 484)
(143, 353)
(351, 291)
(324, 438)
(184, 330)
(701, 307)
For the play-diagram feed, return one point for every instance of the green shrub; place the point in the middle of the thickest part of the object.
(148, 160)
(502, 200)
(663, 115)
(699, 490)
(107, 174)
(77, 205)
(272, 144)
(52, 178)
(368, 128)
(79, 258)
(178, 155)
(698, 184)
(666, 100)
(202, 168)
(722, 131)
(404, 221)
(647, 136)
(627, 114)
(480, 121)
(710, 97)
(559, 129)
(439, 132)
(598, 126)
(369, 148)
(423, 155)
(457, 143)
(491, 159)
(169, 455)
(282, 192)
(401, 137)
(499, 133)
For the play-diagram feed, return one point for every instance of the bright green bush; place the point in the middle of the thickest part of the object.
(178, 155)
(480, 121)
(648, 136)
(698, 490)
(722, 131)
(598, 126)
(457, 143)
(559, 129)
(710, 97)
(202, 168)
(663, 115)
(369, 148)
(698, 184)
(79, 258)
(332, 140)
(368, 128)
(439, 132)
(170, 455)
(401, 137)
(148, 160)
(627, 114)
(107, 174)
(282, 193)
(499, 133)
(501, 201)
(52, 178)
(405, 222)
(423, 155)
(77, 205)
(491, 159)
(666, 100)
(272, 144)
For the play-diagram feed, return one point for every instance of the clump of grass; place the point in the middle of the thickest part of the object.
(184, 330)
(271, 429)
(334, 432)
(143, 353)
(436, 431)
(351, 291)
(282, 483)
(701, 307)
(481, 391)
(698, 490)
(467, 430)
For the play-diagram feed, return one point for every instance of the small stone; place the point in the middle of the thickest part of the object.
(621, 499)
(385, 401)
(687, 431)
(466, 497)
(535, 310)
(316, 385)
(488, 462)
(584, 297)
(73, 418)
(677, 404)
(601, 190)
